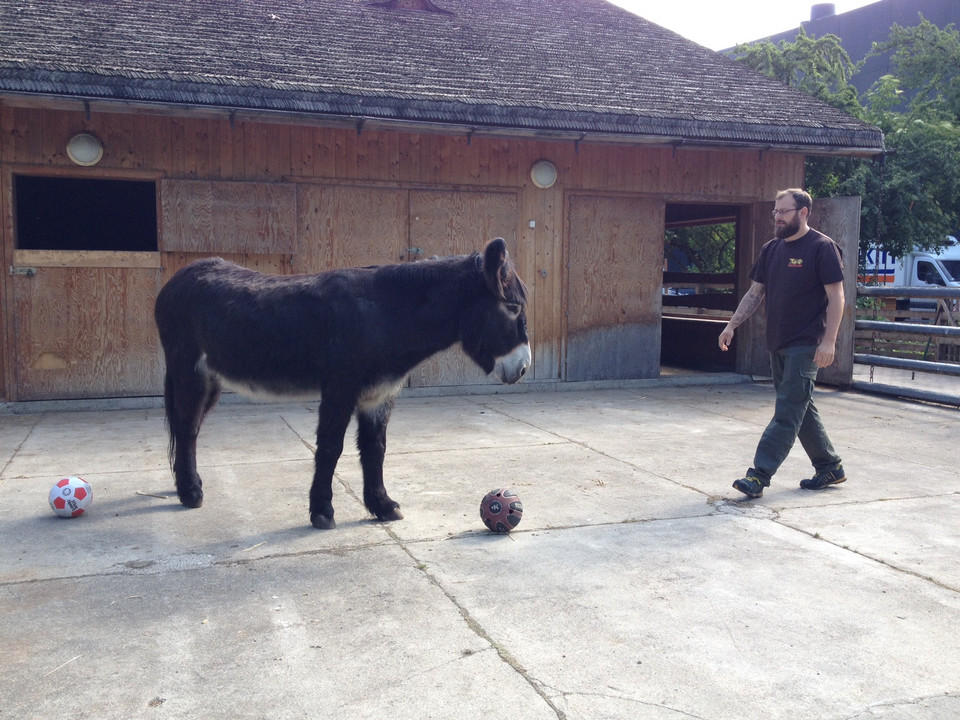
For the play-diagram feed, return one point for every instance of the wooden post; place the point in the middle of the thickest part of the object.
(840, 219)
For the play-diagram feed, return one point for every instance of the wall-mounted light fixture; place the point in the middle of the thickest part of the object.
(85, 149)
(543, 173)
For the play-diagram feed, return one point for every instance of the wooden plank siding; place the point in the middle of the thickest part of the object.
(106, 312)
(227, 217)
(614, 282)
(442, 222)
(337, 196)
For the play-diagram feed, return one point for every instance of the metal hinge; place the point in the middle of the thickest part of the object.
(28, 271)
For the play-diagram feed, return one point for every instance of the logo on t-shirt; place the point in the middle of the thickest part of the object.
(795, 263)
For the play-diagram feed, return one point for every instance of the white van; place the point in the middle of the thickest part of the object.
(923, 268)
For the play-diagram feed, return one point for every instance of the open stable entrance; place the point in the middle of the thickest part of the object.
(700, 290)
(709, 250)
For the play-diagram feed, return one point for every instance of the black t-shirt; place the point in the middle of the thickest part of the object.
(793, 275)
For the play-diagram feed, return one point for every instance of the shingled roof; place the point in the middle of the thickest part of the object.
(555, 68)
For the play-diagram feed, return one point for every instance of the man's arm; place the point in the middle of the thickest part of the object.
(827, 349)
(748, 304)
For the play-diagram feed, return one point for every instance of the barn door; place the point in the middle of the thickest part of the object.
(614, 285)
(84, 325)
(85, 270)
(457, 223)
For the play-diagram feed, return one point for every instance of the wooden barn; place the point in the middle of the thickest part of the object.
(294, 136)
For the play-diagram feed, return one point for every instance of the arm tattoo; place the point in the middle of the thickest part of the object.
(750, 302)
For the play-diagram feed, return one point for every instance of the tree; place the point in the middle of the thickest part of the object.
(910, 196)
(927, 59)
(817, 66)
(918, 191)
(915, 189)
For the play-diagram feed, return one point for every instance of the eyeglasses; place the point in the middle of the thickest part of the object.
(778, 213)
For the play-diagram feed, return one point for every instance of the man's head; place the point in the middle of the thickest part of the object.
(791, 210)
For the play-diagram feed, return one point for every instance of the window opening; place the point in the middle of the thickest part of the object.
(55, 213)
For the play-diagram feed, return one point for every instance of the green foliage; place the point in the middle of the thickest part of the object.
(911, 196)
(927, 59)
(919, 189)
(702, 248)
(817, 66)
(920, 184)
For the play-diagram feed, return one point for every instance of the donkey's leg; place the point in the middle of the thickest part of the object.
(335, 415)
(372, 443)
(190, 395)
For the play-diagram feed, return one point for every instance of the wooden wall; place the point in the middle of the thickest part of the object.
(287, 181)
(614, 273)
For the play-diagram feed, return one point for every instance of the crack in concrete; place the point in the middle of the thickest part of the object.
(948, 705)
(868, 556)
(477, 628)
(634, 701)
(19, 447)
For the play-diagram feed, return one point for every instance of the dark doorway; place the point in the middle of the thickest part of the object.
(699, 285)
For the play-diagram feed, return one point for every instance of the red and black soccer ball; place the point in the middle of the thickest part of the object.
(501, 510)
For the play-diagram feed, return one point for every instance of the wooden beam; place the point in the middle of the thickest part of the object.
(85, 258)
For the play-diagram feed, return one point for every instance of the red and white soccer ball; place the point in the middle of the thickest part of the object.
(501, 510)
(71, 496)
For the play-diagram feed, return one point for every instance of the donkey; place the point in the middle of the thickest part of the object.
(349, 336)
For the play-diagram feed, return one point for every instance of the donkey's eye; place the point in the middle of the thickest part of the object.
(513, 308)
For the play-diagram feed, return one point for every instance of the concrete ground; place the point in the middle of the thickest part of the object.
(639, 584)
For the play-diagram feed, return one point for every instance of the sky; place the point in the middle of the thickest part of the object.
(720, 25)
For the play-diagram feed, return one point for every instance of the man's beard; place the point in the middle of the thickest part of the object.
(787, 229)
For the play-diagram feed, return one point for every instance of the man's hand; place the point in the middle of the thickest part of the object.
(726, 337)
(827, 349)
(825, 354)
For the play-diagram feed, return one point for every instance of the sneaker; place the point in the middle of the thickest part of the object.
(750, 486)
(822, 479)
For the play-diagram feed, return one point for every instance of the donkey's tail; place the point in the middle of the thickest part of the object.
(170, 413)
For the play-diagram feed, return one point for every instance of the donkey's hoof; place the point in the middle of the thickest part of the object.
(192, 498)
(391, 514)
(322, 522)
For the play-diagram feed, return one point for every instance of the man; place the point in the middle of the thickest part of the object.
(800, 273)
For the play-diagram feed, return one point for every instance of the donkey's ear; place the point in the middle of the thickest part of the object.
(494, 259)
(495, 254)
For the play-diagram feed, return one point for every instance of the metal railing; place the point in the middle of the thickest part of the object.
(947, 299)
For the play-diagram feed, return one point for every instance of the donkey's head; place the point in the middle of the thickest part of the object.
(493, 329)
